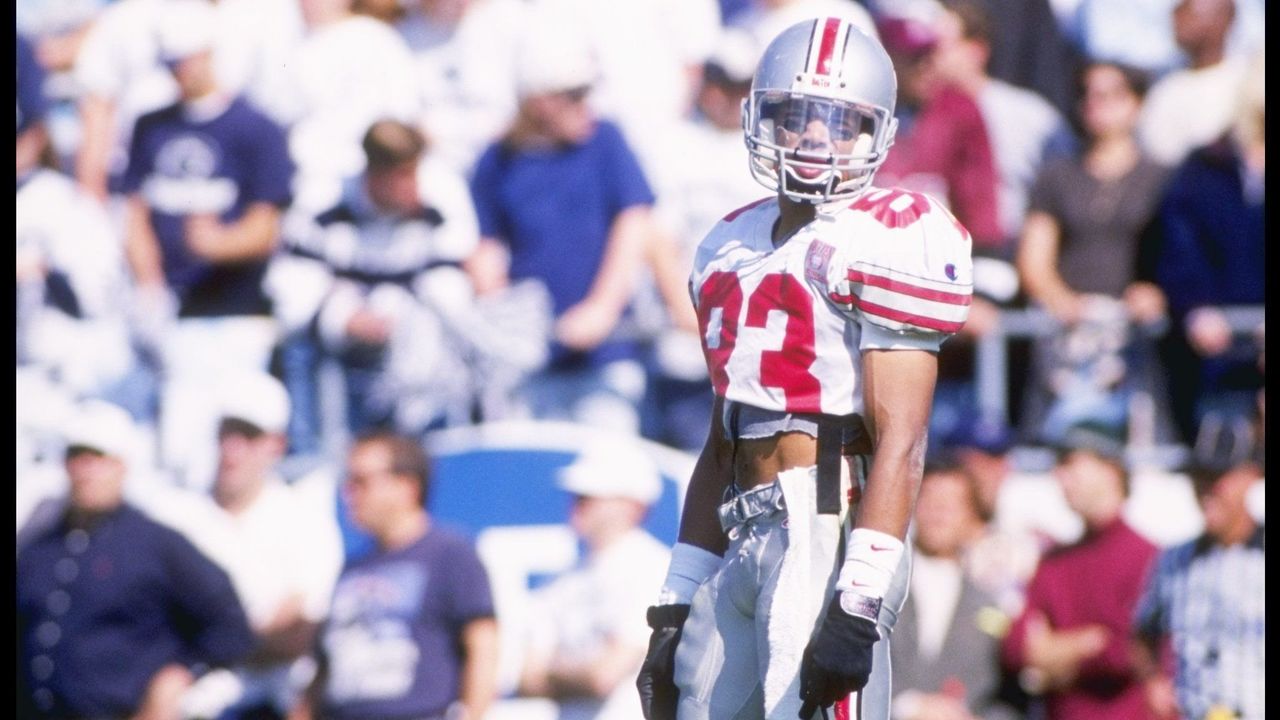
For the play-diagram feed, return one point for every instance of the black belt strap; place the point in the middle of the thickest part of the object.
(830, 435)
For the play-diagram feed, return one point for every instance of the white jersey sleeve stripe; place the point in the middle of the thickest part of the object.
(900, 314)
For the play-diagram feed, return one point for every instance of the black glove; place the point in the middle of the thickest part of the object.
(838, 659)
(657, 684)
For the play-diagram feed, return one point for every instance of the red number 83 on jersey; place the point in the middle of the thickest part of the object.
(787, 368)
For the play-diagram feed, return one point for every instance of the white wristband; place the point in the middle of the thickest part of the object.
(869, 562)
(690, 567)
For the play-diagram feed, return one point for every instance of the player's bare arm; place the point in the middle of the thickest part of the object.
(897, 394)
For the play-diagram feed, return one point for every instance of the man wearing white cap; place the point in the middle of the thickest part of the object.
(561, 199)
(586, 640)
(114, 610)
(280, 544)
(207, 180)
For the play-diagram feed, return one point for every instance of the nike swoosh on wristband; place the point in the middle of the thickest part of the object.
(878, 548)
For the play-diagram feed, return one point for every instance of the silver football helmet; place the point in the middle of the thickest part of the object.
(819, 120)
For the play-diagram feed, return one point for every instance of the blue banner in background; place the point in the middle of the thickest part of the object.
(504, 475)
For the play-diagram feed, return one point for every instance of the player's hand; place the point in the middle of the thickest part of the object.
(656, 683)
(838, 659)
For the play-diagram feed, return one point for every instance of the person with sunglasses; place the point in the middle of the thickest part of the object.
(562, 200)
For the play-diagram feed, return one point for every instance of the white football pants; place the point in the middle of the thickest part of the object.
(739, 655)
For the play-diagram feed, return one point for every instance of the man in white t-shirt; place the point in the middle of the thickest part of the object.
(279, 543)
(1194, 106)
(587, 636)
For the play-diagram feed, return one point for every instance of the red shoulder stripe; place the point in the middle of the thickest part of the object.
(915, 291)
(910, 318)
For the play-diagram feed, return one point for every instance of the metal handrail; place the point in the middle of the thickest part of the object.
(991, 351)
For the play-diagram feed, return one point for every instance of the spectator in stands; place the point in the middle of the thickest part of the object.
(32, 135)
(946, 655)
(465, 66)
(1024, 128)
(707, 172)
(998, 559)
(1207, 599)
(1192, 107)
(944, 148)
(1211, 258)
(1071, 642)
(647, 57)
(587, 635)
(411, 632)
(207, 181)
(381, 270)
(349, 71)
(279, 543)
(1029, 49)
(942, 145)
(1083, 258)
(114, 611)
(1138, 34)
(562, 199)
(55, 33)
(56, 30)
(121, 75)
(69, 266)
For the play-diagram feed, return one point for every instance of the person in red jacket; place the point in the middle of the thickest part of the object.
(1071, 642)
(942, 146)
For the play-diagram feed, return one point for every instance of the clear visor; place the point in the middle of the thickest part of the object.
(784, 118)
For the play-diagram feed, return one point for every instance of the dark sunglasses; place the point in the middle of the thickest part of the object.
(575, 95)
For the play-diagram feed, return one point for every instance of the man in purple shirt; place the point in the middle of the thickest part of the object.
(1071, 642)
(412, 631)
(207, 181)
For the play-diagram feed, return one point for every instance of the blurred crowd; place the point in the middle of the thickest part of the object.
(260, 237)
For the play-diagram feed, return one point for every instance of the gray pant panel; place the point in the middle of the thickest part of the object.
(725, 652)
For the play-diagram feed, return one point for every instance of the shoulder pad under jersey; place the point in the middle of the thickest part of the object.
(727, 231)
(906, 264)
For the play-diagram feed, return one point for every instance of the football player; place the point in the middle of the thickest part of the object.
(822, 309)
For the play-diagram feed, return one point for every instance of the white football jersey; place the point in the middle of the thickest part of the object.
(783, 328)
